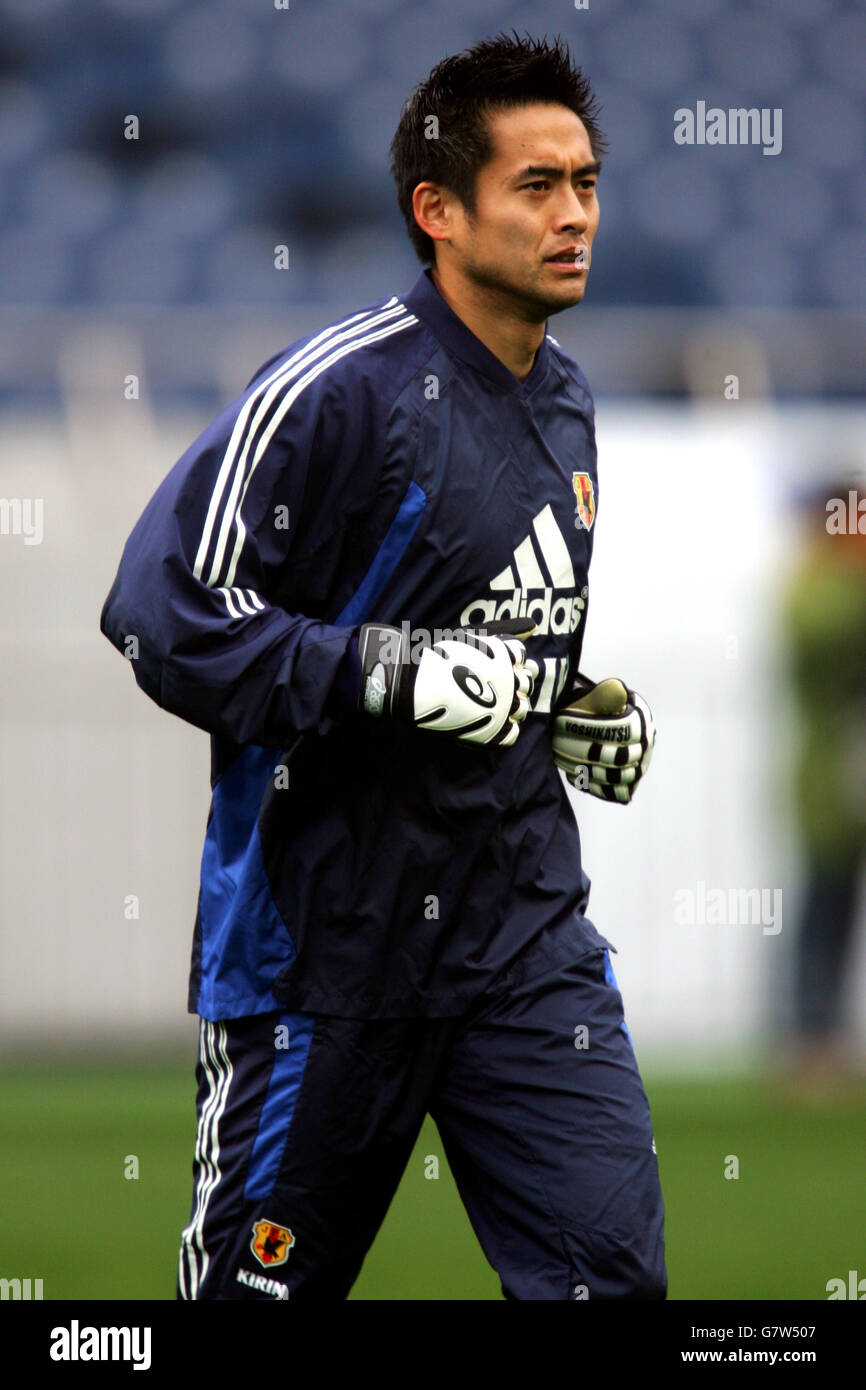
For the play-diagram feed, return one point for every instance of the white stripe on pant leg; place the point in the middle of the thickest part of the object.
(219, 1050)
(197, 1168)
(208, 1149)
(197, 1255)
(202, 1162)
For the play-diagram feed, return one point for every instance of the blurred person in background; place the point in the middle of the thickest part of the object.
(824, 619)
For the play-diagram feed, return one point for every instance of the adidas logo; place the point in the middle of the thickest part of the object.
(527, 593)
(540, 585)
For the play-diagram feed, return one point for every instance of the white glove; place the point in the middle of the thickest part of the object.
(474, 684)
(603, 738)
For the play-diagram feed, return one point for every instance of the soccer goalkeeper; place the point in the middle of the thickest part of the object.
(367, 581)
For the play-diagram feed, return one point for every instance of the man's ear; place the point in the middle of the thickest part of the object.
(433, 209)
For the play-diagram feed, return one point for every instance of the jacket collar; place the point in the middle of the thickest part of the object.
(425, 301)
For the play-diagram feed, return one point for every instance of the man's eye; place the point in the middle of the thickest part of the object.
(539, 183)
(588, 184)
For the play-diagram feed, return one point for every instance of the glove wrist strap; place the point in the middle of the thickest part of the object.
(384, 654)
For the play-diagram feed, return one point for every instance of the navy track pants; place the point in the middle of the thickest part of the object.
(306, 1124)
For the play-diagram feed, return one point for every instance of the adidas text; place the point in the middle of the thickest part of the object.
(557, 616)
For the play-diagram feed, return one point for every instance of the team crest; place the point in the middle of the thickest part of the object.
(271, 1244)
(584, 494)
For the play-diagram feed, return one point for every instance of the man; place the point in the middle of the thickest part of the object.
(367, 580)
(824, 622)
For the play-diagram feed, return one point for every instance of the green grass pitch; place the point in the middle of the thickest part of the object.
(793, 1219)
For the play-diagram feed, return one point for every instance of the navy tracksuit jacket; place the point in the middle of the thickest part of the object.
(362, 879)
(387, 468)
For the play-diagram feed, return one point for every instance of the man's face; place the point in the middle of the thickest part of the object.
(535, 199)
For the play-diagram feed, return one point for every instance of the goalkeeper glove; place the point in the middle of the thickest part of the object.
(475, 683)
(603, 738)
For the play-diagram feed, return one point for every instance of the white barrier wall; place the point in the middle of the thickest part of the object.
(694, 540)
(105, 797)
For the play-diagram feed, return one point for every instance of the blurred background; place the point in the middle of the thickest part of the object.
(153, 153)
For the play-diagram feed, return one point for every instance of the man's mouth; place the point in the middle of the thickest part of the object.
(575, 256)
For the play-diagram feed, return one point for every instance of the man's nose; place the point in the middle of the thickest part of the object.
(571, 212)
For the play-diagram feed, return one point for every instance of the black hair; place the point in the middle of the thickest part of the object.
(458, 94)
